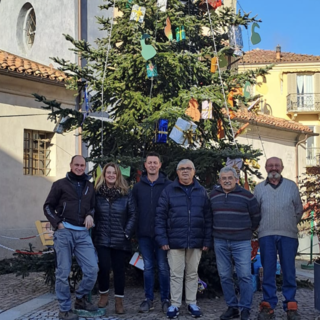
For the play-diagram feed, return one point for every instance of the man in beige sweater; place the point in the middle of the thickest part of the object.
(281, 211)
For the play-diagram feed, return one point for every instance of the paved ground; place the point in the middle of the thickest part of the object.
(31, 291)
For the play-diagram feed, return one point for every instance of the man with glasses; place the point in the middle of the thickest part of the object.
(183, 227)
(235, 215)
(281, 211)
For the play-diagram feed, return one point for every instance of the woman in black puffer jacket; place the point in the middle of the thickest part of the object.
(115, 217)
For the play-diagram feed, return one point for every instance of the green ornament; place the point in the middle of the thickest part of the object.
(255, 37)
(246, 91)
(223, 61)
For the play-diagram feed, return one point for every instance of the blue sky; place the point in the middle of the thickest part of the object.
(294, 24)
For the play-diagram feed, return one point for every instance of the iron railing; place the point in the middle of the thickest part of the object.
(313, 157)
(303, 102)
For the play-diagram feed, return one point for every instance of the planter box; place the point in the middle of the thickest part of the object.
(317, 285)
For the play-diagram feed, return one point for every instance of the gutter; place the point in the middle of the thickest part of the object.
(297, 155)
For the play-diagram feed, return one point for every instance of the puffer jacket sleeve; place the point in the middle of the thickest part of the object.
(132, 216)
(161, 219)
(208, 217)
(51, 204)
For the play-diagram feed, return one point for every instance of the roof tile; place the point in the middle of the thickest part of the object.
(269, 56)
(18, 64)
(251, 117)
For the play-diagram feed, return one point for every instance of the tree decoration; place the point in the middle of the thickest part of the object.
(180, 33)
(214, 66)
(206, 109)
(161, 131)
(193, 110)
(162, 5)
(168, 30)
(255, 37)
(60, 127)
(221, 133)
(125, 171)
(183, 131)
(223, 61)
(137, 13)
(152, 71)
(235, 39)
(240, 130)
(232, 93)
(247, 90)
(148, 51)
(213, 4)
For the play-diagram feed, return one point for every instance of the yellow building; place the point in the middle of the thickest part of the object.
(290, 91)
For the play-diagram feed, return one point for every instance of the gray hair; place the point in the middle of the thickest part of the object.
(229, 169)
(184, 161)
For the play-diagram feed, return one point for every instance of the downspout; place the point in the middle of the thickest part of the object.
(297, 156)
(79, 64)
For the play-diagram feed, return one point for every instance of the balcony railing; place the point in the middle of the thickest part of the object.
(313, 157)
(303, 102)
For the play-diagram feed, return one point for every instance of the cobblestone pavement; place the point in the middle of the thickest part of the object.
(212, 308)
(15, 290)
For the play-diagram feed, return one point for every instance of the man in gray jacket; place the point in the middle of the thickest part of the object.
(281, 211)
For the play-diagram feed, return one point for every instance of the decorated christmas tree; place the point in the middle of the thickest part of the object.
(166, 68)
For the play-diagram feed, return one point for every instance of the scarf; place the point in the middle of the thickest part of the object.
(110, 193)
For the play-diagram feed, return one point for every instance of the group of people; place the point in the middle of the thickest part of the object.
(174, 221)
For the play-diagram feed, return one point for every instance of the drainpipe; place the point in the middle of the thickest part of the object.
(297, 156)
(79, 63)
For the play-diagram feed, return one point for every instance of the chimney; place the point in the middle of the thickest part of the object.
(278, 52)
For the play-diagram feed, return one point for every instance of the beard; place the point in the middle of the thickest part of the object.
(274, 175)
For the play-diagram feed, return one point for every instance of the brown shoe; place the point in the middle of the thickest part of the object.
(104, 300)
(292, 311)
(119, 305)
(266, 312)
(83, 304)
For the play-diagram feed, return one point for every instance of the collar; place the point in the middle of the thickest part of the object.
(276, 185)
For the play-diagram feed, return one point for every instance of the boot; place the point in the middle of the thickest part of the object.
(84, 304)
(119, 305)
(292, 311)
(104, 300)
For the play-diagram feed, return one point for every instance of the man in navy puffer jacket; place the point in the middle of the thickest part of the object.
(184, 227)
(146, 193)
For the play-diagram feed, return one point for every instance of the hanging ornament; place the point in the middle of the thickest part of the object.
(128, 4)
(214, 66)
(137, 13)
(180, 33)
(236, 164)
(152, 71)
(183, 131)
(206, 109)
(223, 61)
(161, 131)
(235, 39)
(168, 30)
(232, 93)
(221, 133)
(255, 37)
(148, 51)
(247, 89)
(213, 4)
(241, 129)
(125, 171)
(60, 127)
(193, 110)
(162, 5)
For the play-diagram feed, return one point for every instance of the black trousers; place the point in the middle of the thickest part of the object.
(114, 258)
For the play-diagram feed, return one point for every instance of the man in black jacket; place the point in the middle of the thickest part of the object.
(70, 209)
(183, 226)
(146, 193)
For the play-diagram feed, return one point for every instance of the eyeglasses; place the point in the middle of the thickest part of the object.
(185, 169)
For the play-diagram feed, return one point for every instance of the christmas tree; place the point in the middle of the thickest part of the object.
(161, 61)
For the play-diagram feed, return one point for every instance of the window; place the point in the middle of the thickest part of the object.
(36, 152)
(305, 92)
(26, 27)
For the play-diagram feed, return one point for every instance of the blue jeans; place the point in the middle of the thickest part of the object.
(66, 243)
(287, 249)
(151, 254)
(240, 252)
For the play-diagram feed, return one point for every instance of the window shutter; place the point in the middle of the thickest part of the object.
(292, 91)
